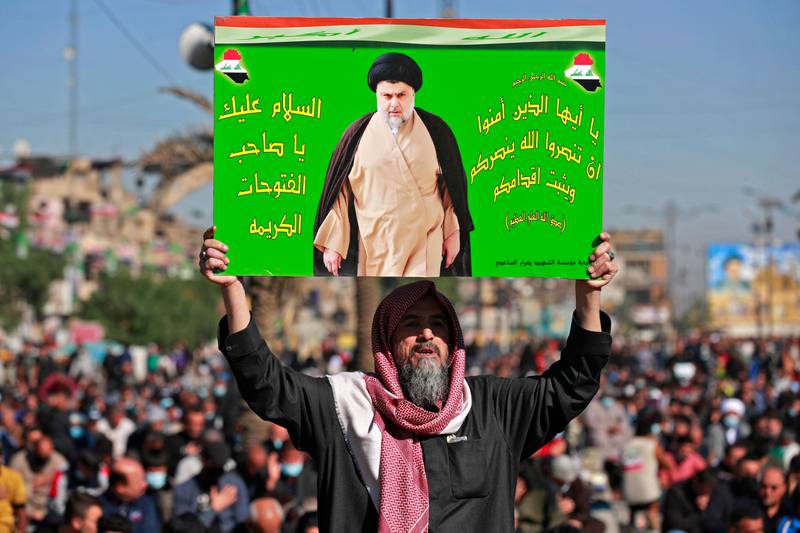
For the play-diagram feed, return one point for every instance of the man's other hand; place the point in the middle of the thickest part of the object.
(332, 260)
(213, 259)
(602, 267)
(450, 248)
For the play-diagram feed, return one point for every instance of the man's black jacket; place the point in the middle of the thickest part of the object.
(470, 481)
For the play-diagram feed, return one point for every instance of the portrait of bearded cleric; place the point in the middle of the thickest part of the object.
(394, 202)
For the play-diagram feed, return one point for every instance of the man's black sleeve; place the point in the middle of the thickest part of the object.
(300, 403)
(533, 410)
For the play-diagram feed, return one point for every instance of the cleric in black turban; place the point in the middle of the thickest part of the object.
(395, 67)
(403, 153)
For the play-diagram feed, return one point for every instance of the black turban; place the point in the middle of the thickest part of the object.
(394, 67)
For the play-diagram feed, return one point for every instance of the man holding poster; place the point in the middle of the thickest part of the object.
(394, 201)
(418, 445)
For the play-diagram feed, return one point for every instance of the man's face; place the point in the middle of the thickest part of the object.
(135, 483)
(420, 347)
(88, 524)
(733, 269)
(195, 423)
(749, 525)
(733, 455)
(423, 335)
(115, 417)
(44, 448)
(748, 468)
(395, 101)
(772, 487)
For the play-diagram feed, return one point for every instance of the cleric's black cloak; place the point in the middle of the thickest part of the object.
(453, 177)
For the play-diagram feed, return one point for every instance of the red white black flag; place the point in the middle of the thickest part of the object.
(231, 65)
(582, 73)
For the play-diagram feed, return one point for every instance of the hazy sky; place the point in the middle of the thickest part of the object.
(701, 97)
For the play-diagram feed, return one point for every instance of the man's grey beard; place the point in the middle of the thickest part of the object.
(427, 384)
(395, 123)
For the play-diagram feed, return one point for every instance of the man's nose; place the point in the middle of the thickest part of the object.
(426, 334)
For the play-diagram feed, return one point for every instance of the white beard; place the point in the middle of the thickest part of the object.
(395, 123)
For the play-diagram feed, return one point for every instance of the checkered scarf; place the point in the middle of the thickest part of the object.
(404, 486)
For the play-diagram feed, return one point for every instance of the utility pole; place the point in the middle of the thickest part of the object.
(241, 7)
(447, 9)
(669, 215)
(71, 55)
(768, 204)
(389, 13)
(765, 299)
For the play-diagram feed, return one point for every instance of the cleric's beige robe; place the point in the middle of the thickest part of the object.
(402, 218)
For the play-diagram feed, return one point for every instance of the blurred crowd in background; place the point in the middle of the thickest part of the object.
(698, 437)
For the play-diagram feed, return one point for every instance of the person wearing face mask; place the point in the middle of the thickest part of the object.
(298, 477)
(154, 459)
(84, 474)
(127, 496)
(218, 497)
(278, 436)
(642, 457)
(734, 426)
(82, 439)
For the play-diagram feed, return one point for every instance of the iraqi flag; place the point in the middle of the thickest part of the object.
(231, 66)
(582, 73)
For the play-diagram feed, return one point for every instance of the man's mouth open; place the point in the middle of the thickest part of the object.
(425, 351)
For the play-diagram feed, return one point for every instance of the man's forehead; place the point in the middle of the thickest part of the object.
(427, 305)
(389, 87)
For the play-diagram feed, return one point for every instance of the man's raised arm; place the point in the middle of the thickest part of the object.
(212, 261)
(533, 410)
(300, 403)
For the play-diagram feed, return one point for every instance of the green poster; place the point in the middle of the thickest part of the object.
(492, 167)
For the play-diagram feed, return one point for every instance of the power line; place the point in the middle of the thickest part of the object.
(128, 35)
(72, 57)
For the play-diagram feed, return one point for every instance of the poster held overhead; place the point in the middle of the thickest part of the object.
(392, 147)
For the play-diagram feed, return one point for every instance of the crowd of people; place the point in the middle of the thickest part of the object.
(701, 437)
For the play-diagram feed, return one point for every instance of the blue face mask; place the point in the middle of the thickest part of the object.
(730, 421)
(156, 480)
(220, 390)
(291, 469)
(76, 432)
(655, 429)
(277, 444)
(608, 402)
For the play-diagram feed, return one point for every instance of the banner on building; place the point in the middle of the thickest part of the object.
(754, 290)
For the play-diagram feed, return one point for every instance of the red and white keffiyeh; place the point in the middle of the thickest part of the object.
(404, 486)
(381, 427)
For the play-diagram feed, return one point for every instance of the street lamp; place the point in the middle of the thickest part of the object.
(196, 43)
